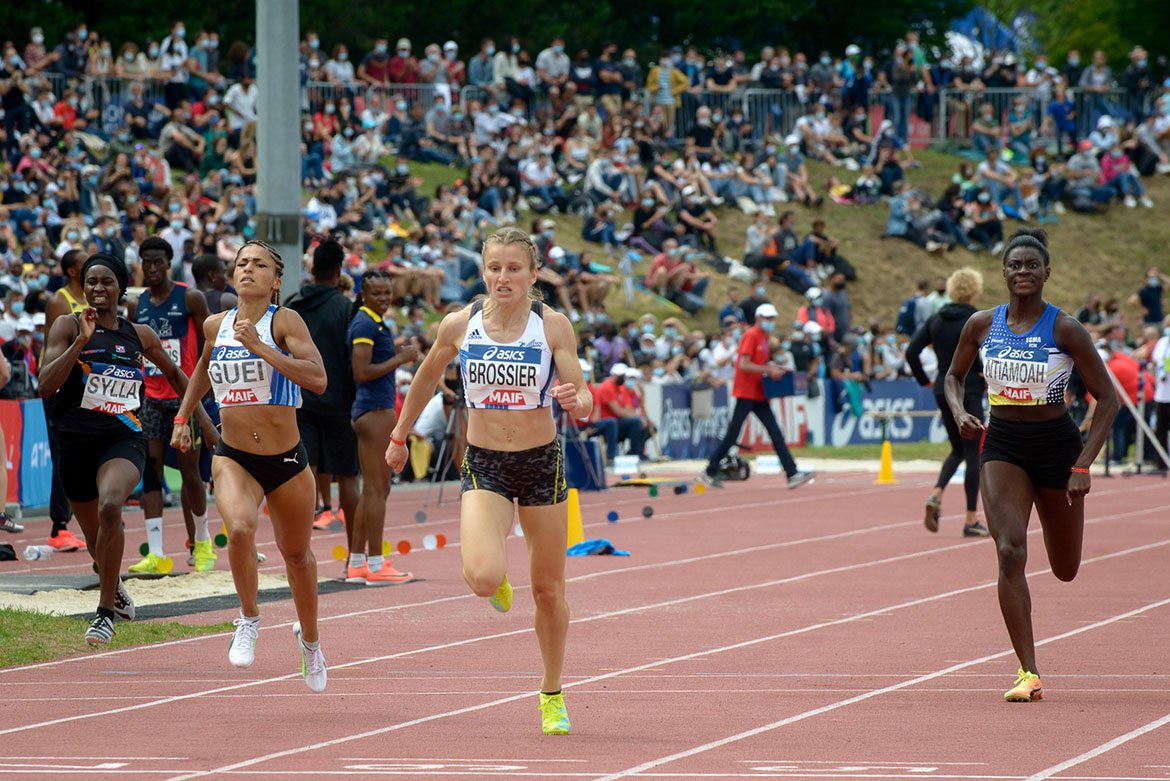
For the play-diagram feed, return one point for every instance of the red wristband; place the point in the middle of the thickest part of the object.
(396, 442)
(180, 420)
(1079, 469)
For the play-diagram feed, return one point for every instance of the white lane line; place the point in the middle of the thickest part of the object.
(734, 646)
(637, 770)
(1093, 753)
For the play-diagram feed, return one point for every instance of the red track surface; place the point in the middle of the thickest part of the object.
(754, 632)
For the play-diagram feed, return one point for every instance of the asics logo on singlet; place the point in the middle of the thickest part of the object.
(1007, 352)
(496, 353)
(233, 353)
(119, 372)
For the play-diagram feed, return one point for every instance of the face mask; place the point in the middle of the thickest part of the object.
(518, 112)
(1154, 282)
(348, 132)
(432, 57)
(105, 52)
(984, 197)
(38, 39)
(181, 32)
(704, 122)
(73, 102)
(176, 225)
(490, 50)
(826, 61)
(548, 234)
(1040, 161)
(647, 328)
(35, 152)
(672, 253)
(153, 52)
(786, 345)
(515, 48)
(868, 66)
(647, 203)
(403, 169)
(676, 350)
(93, 180)
(314, 44)
(342, 56)
(558, 49)
(82, 35)
(767, 325)
(73, 236)
(1074, 61)
(314, 64)
(38, 250)
(1115, 154)
(1041, 65)
(716, 118)
(820, 115)
(761, 291)
(380, 48)
(1141, 63)
(329, 109)
(493, 109)
(109, 231)
(17, 307)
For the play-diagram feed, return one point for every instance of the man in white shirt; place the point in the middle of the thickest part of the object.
(552, 70)
(1160, 364)
(724, 351)
(540, 179)
(240, 100)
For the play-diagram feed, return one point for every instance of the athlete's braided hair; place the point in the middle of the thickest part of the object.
(275, 259)
(1033, 238)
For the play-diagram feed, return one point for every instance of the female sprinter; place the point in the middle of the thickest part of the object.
(943, 330)
(509, 345)
(1032, 453)
(93, 373)
(374, 360)
(256, 358)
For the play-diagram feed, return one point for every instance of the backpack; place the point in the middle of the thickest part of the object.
(905, 321)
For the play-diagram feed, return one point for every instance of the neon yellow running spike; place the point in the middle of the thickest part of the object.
(150, 563)
(1027, 688)
(502, 599)
(204, 556)
(554, 717)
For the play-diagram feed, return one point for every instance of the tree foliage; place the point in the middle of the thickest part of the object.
(1115, 26)
(646, 25)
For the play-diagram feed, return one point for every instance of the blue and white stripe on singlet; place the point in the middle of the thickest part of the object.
(239, 377)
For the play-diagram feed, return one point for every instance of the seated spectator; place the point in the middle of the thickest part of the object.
(1117, 173)
(1083, 172)
(541, 181)
(985, 130)
(1104, 137)
(1021, 125)
(984, 225)
(752, 186)
(905, 211)
(1001, 180)
(633, 426)
(673, 276)
(797, 180)
(825, 253)
(698, 221)
(1050, 186)
(1061, 120)
(599, 226)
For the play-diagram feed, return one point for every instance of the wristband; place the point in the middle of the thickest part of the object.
(180, 420)
(396, 442)
(1080, 470)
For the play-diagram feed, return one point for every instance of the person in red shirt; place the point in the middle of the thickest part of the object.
(752, 363)
(613, 403)
(1127, 370)
(403, 66)
(595, 425)
(670, 271)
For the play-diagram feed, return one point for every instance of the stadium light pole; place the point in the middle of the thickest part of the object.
(278, 191)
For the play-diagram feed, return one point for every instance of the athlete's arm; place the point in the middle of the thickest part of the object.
(422, 387)
(66, 341)
(197, 308)
(1072, 337)
(132, 309)
(152, 349)
(303, 366)
(198, 385)
(973, 333)
(56, 307)
(571, 392)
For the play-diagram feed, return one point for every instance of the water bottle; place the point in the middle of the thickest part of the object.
(35, 552)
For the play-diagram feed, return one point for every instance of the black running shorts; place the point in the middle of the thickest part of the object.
(533, 477)
(1045, 450)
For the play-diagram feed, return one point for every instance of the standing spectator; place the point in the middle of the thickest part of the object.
(479, 70)
(667, 84)
(241, 102)
(631, 74)
(1149, 297)
(403, 68)
(1062, 119)
(338, 68)
(375, 66)
(1073, 69)
(836, 299)
(1160, 361)
(610, 79)
(323, 418)
(752, 365)
(1136, 80)
(173, 62)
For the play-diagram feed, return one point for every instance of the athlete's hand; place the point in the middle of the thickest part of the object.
(566, 396)
(396, 456)
(970, 426)
(1078, 486)
(246, 334)
(181, 438)
(210, 437)
(88, 324)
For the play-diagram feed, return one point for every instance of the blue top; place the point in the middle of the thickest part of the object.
(239, 377)
(367, 327)
(1025, 369)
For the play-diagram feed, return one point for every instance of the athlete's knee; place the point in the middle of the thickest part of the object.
(150, 476)
(241, 537)
(548, 597)
(1013, 555)
(484, 582)
(1066, 571)
(109, 511)
(298, 558)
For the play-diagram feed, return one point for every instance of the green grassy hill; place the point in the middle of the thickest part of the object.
(1108, 254)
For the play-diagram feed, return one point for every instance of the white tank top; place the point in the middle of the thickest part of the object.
(506, 376)
(239, 377)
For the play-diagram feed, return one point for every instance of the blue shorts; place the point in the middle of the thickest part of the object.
(360, 408)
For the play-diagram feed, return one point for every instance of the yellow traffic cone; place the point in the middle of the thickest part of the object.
(576, 532)
(886, 473)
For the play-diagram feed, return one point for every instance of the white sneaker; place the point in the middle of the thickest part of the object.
(1058, 207)
(1130, 202)
(717, 201)
(800, 478)
(1162, 168)
(313, 667)
(998, 248)
(123, 603)
(1145, 201)
(851, 164)
(243, 648)
(574, 316)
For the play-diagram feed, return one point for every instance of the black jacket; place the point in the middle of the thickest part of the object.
(942, 329)
(326, 311)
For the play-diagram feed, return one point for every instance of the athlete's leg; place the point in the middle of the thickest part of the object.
(1007, 502)
(347, 499)
(1064, 530)
(152, 498)
(238, 497)
(291, 509)
(194, 492)
(545, 532)
(116, 478)
(484, 521)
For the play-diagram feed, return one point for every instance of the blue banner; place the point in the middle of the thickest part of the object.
(680, 434)
(36, 465)
(904, 395)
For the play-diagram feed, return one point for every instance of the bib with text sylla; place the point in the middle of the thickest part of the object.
(114, 390)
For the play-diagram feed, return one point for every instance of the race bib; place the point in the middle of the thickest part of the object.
(171, 348)
(114, 390)
(239, 377)
(1016, 375)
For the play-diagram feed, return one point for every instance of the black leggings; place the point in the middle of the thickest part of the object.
(739, 415)
(962, 450)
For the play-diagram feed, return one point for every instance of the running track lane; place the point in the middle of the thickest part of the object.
(844, 610)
